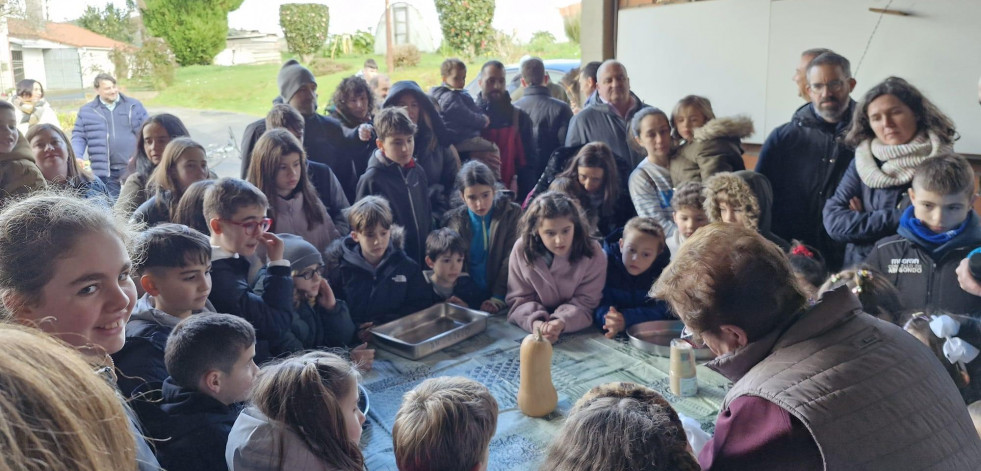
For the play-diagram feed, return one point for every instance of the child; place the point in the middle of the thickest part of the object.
(938, 332)
(688, 203)
(152, 138)
(731, 199)
(190, 209)
(809, 269)
(174, 268)
(303, 415)
(445, 253)
(635, 257)
(65, 269)
(556, 272)
(236, 214)
(18, 172)
(55, 157)
(596, 171)
(650, 183)
(210, 361)
(445, 423)
(184, 162)
(463, 118)
(378, 281)
(621, 426)
(392, 173)
(934, 235)
(279, 169)
(488, 221)
(877, 295)
(708, 145)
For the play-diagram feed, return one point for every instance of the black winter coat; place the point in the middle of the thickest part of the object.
(407, 192)
(550, 121)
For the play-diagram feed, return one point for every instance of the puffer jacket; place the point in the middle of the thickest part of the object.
(108, 138)
(600, 122)
(550, 121)
(629, 293)
(715, 147)
(407, 192)
(258, 443)
(459, 112)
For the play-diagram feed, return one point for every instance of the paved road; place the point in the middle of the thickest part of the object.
(220, 132)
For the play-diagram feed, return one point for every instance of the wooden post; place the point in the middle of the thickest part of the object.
(389, 57)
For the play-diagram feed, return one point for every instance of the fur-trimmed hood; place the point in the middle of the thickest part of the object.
(739, 126)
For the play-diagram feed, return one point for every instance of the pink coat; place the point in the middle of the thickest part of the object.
(567, 291)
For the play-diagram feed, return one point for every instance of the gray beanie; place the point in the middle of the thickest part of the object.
(291, 77)
(299, 252)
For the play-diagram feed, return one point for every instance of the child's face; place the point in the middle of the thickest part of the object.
(398, 147)
(591, 178)
(51, 154)
(353, 417)
(90, 297)
(731, 214)
(8, 131)
(238, 239)
(308, 288)
(374, 242)
(155, 139)
(457, 79)
(638, 251)
(655, 136)
(557, 235)
(689, 220)
(236, 384)
(181, 290)
(688, 120)
(479, 198)
(447, 266)
(288, 173)
(940, 213)
(191, 167)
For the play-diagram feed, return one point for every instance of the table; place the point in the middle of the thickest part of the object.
(580, 361)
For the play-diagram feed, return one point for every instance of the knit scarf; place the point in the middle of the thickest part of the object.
(916, 227)
(883, 166)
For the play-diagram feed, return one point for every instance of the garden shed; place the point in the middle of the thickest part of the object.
(409, 26)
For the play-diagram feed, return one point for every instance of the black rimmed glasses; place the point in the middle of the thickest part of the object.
(318, 271)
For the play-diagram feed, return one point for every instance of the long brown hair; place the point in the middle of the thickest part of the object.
(551, 205)
(598, 155)
(75, 172)
(303, 393)
(270, 149)
(928, 116)
(164, 177)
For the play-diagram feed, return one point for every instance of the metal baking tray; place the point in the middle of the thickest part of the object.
(363, 403)
(430, 330)
(655, 337)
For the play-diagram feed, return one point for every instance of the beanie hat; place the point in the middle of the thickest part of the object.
(291, 77)
(299, 252)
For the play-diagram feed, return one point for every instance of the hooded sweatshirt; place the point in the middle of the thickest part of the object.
(19, 173)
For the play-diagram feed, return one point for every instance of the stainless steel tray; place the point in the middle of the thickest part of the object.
(655, 337)
(430, 330)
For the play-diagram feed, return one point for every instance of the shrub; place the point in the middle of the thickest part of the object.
(573, 26)
(466, 24)
(406, 55)
(363, 42)
(541, 40)
(321, 66)
(305, 27)
(195, 30)
(66, 120)
(504, 47)
(153, 64)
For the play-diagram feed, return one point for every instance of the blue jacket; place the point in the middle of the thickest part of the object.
(462, 117)
(628, 293)
(882, 208)
(108, 137)
(393, 289)
(465, 288)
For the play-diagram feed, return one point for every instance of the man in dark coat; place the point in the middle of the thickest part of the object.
(549, 116)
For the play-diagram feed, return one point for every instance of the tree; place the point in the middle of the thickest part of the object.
(305, 27)
(110, 21)
(466, 24)
(194, 29)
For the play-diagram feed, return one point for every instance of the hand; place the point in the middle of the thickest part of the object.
(488, 306)
(364, 132)
(964, 278)
(855, 204)
(274, 246)
(614, 323)
(550, 329)
(514, 184)
(363, 357)
(457, 301)
(325, 296)
(486, 121)
(364, 331)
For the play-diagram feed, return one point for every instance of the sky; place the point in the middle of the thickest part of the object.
(520, 17)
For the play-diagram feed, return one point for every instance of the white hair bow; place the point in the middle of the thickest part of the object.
(955, 349)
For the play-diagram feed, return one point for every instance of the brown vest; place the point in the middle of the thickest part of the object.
(872, 396)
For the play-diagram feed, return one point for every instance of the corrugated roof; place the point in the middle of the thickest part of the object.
(63, 33)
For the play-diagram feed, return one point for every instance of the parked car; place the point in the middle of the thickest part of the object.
(554, 68)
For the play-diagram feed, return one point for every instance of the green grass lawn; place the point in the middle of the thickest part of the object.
(250, 89)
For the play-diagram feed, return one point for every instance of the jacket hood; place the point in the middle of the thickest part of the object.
(425, 102)
(382, 163)
(195, 409)
(21, 151)
(806, 116)
(764, 196)
(351, 251)
(611, 245)
(734, 126)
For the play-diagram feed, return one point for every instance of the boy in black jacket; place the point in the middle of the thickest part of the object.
(445, 252)
(393, 173)
(236, 215)
(935, 234)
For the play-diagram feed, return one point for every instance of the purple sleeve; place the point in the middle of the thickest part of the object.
(754, 433)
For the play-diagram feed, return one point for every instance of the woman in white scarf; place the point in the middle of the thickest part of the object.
(30, 108)
(895, 128)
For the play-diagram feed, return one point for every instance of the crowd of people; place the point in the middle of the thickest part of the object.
(833, 282)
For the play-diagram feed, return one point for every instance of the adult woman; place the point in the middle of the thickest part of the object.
(55, 157)
(894, 129)
(154, 135)
(438, 158)
(352, 105)
(30, 107)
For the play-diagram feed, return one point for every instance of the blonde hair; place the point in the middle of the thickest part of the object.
(698, 103)
(164, 176)
(621, 426)
(727, 187)
(444, 423)
(646, 226)
(55, 411)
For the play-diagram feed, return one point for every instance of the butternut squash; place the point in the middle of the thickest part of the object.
(536, 393)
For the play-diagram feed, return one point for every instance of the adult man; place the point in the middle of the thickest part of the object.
(815, 387)
(380, 85)
(107, 128)
(549, 116)
(510, 129)
(806, 158)
(587, 82)
(800, 73)
(606, 120)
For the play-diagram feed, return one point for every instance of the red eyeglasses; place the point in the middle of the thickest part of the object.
(252, 227)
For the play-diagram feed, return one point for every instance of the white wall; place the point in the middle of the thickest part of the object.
(94, 62)
(741, 54)
(34, 65)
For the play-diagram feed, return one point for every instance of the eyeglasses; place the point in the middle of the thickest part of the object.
(252, 227)
(833, 86)
(689, 335)
(319, 271)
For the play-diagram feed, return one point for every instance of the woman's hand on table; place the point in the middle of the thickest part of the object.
(614, 323)
(550, 329)
(363, 357)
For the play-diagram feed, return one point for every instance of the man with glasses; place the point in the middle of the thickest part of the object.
(806, 158)
(815, 387)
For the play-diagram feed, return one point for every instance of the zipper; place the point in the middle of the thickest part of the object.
(412, 205)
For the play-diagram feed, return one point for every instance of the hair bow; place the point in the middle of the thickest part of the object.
(802, 251)
(955, 349)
